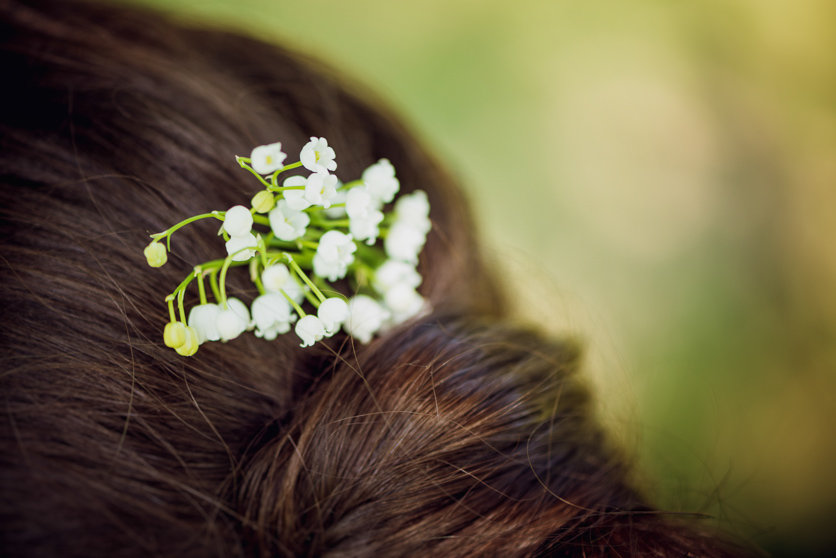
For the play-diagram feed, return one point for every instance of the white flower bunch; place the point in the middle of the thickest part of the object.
(311, 229)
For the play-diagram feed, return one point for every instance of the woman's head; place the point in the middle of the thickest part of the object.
(454, 434)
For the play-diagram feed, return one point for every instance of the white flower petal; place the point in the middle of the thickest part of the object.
(242, 248)
(238, 221)
(272, 315)
(275, 277)
(381, 182)
(404, 242)
(317, 156)
(336, 212)
(403, 300)
(288, 224)
(366, 316)
(334, 254)
(332, 312)
(393, 273)
(232, 321)
(203, 319)
(320, 188)
(310, 329)
(295, 198)
(266, 159)
(358, 203)
(414, 209)
(366, 228)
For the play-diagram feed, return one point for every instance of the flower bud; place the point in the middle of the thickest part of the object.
(263, 202)
(175, 334)
(156, 254)
(190, 346)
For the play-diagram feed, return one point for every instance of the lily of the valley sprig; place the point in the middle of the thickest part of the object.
(296, 239)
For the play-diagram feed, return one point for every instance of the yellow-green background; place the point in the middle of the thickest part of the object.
(659, 176)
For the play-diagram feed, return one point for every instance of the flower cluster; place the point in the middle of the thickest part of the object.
(317, 231)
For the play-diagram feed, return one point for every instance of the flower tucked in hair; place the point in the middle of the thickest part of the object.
(313, 223)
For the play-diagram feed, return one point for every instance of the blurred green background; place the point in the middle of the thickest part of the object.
(660, 178)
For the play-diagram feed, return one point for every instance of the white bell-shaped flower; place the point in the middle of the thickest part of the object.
(242, 248)
(339, 198)
(381, 182)
(358, 203)
(365, 317)
(233, 321)
(310, 329)
(320, 188)
(287, 223)
(404, 302)
(272, 315)
(332, 312)
(238, 221)
(203, 318)
(275, 277)
(366, 228)
(296, 198)
(317, 156)
(333, 255)
(404, 242)
(266, 159)
(393, 273)
(414, 209)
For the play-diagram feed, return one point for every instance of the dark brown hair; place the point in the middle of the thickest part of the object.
(455, 435)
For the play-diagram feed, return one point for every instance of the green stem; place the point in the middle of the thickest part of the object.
(199, 272)
(312, 299)
(182, 286)
(283, 188)
(274, 179)
(213, 282)
(305, 278)
(167, 233)
(170, 300)
(293, 303)
(227, 263)
(180, 307)
(283, 244)
(243, 162)
(291, 166)
(329, 224)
